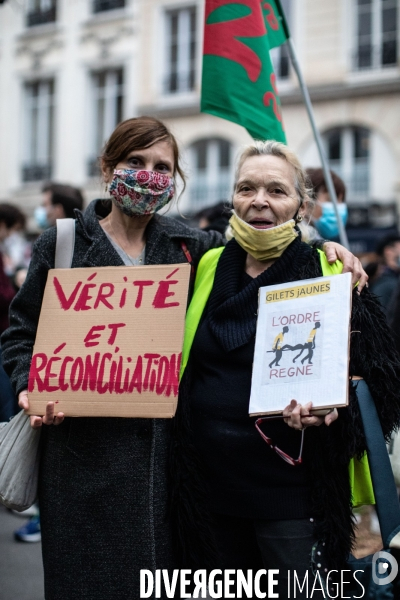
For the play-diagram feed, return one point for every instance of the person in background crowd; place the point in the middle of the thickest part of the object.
(385, 284)
(214, 218)
(17, 254)
(11, 220)
(59, 202)
(323, 216)
(12, 276)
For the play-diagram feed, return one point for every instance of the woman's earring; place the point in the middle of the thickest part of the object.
(299, 218)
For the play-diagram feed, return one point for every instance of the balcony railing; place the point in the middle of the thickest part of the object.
(39, 17)
(102, 5)
(36, 172)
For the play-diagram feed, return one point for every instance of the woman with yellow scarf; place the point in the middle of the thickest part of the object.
(240, 505)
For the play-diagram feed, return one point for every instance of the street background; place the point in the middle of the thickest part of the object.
(21, 571)
(70, 70)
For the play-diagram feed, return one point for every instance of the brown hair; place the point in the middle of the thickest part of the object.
(11, 215)
(69, 197)
(137, 133)
(317, 179)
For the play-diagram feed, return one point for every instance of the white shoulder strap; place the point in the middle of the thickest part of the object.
(65, 243)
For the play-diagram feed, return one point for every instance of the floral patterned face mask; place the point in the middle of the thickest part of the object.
(141, 192)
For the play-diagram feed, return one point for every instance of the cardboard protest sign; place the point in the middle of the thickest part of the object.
(302, 345)
(109, 341)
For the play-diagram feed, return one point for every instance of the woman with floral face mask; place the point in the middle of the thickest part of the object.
(103, 481)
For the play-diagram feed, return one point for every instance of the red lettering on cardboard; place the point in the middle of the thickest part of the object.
(123, 298)
(49, 375)
(65, 302)
(63, 385)
(141, 285)
(84, 297)
(118, 379)
(163, 293)
(136, 381)
(114, 330)
(36, 368)
(150, 358)
(102, 296)
(88, 341)
(77, 371)
(91, 367)
(103, 387)
(160, 375)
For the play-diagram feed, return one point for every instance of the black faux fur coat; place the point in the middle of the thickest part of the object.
(373, 357)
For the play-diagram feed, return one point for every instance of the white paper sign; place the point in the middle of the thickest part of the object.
(302, 344)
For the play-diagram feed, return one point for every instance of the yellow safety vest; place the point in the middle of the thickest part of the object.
(360, 478)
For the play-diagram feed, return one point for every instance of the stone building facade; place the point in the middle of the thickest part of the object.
(71, 69)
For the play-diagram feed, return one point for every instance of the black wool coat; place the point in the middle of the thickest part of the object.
(103, 481)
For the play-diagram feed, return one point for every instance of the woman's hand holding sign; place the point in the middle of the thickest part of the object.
(300, 417)
(50, 418)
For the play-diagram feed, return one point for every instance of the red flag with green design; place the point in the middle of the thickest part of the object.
(238, 82)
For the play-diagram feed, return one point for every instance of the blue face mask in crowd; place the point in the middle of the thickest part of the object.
(41, 217)
(327, 224)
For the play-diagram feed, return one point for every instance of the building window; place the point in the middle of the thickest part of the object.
(181, 46)
(40, 11)
(281, 62)
(280, 55)
(376, 33)
(102, 5)
(211, 172)
(39, 125)
(107, 110)
(348, 151)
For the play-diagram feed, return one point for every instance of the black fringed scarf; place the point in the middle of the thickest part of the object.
(232, 309)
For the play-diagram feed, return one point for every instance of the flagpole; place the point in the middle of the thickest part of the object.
(327, 174)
